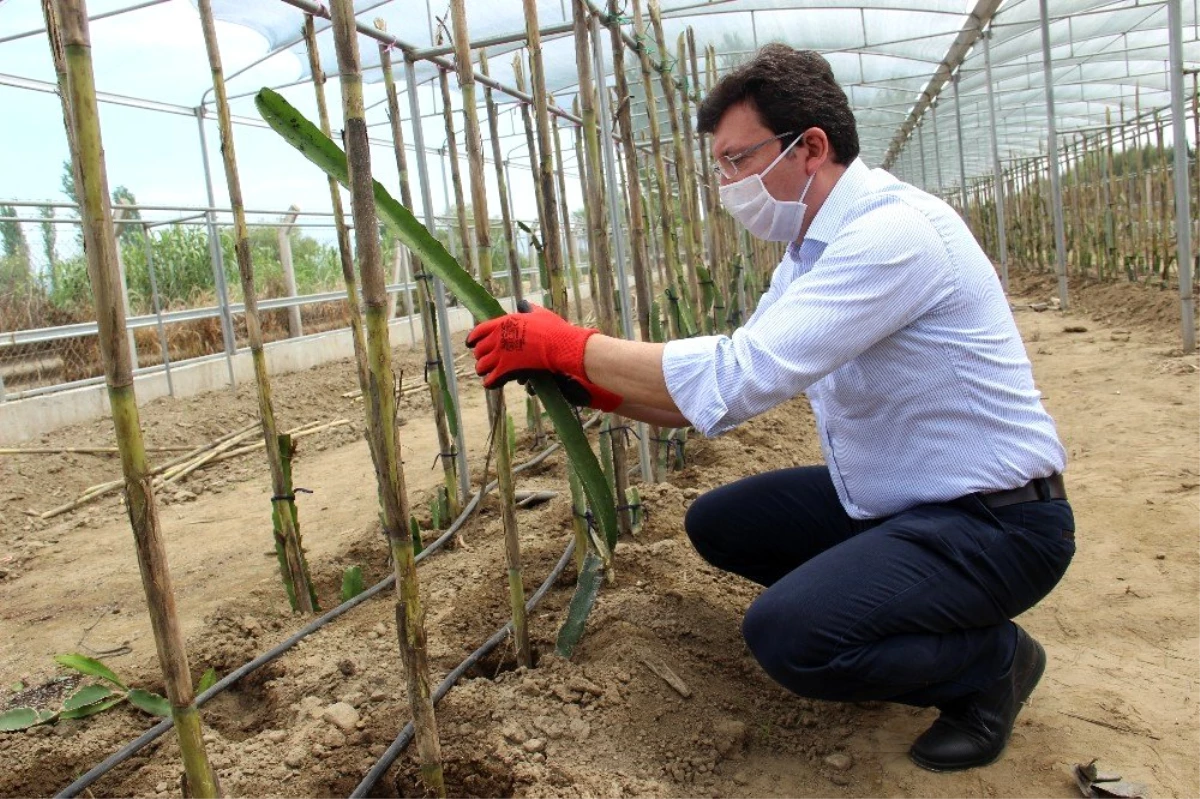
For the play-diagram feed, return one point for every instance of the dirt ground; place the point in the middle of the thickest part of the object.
(1122, 630)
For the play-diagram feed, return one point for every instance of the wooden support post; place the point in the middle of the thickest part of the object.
(345, 257)
(496, 404)
(100, 245)
(510, 239)
(676, 306)
(568, 234)
(435, 366)
(684, 179)
(380, 403)
(470, 254)
(643, 287)
(465, 69)
(297, 571)
(544, 164)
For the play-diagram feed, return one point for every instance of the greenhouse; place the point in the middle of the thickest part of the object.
(798, 326)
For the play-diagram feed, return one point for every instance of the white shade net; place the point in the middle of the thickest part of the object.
(1109, 58)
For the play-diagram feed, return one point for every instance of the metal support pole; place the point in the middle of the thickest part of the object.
(607, 150)
(962, 163)
(1060, 235)
(1001, 223)
(162, 333)
(937, 148)
(464, 476)
(217, 258)
(1183, 215)
(921, 152)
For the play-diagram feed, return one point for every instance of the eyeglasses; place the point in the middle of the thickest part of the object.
(731, 172)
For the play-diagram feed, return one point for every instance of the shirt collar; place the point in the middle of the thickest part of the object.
(849, 187)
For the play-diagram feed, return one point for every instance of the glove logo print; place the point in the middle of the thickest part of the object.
(512, 335)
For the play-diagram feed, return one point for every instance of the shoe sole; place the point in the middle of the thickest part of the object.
(942, 768)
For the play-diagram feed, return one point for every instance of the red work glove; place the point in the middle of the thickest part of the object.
(533, 340)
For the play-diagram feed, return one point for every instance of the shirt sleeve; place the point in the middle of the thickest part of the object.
(884, 269)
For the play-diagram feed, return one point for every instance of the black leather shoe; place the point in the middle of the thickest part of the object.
(973, 731)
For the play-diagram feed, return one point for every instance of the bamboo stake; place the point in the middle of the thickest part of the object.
(474, 143)
(567, 233)
(101, 489)
(1166, 208)
(234, 453)
(681, 161)
(346, 259)
(551, 241)
(410, 619)
(530, 142)
(637, 230)
(293, 550)
(425, 301)
(464, 230)
(496, 403)
(514, 266)
(682, 324)
(1110, 190)
(186, 469)
(702, 265)
(81, 450)
(101, 249)
(601, 262)
(716, 244)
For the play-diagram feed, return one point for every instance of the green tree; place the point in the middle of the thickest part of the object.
(129, 231)
(14, 270)
(66, 182)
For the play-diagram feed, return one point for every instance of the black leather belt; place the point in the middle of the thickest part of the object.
(1042, 488)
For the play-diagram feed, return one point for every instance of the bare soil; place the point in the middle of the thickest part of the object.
(1122, 630)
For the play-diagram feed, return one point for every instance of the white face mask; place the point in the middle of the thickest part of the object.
(749, 202)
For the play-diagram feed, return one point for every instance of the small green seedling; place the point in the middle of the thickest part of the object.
(92, 698)
(352, 583)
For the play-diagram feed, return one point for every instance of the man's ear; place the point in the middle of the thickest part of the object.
(814, 147)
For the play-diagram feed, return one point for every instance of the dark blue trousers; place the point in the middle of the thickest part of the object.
(914, 608)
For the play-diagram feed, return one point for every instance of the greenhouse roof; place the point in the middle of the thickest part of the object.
(895, 60)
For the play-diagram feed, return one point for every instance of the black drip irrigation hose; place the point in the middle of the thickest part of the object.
(406, 735)
(137, 744)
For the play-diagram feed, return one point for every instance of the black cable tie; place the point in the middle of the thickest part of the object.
(453, 453)
(422, 275)
(624, 429)
(292, 496)
(636, 506)
(587, 517)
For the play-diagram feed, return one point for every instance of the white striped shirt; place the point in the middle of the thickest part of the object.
(893, 321)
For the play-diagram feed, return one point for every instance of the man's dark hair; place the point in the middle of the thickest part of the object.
(792, 90)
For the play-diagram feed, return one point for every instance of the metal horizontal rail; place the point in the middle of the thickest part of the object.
(46, 334)
(93, 18)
